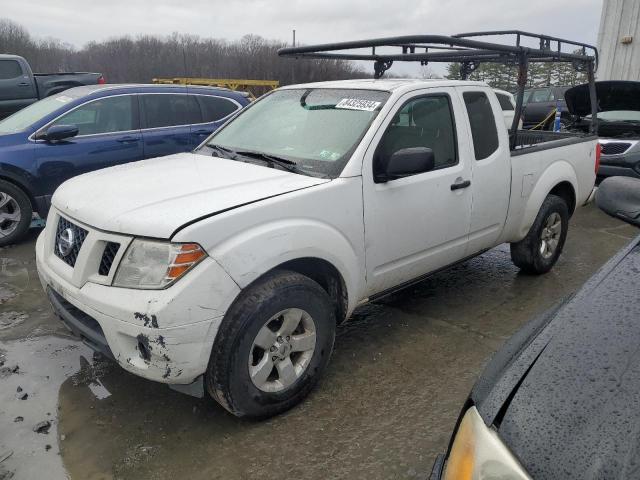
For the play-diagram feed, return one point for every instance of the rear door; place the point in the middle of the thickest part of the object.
(419, 223)
(108, 134)
(491, 167)
(215, 111)
(16, 87)
(167, 120)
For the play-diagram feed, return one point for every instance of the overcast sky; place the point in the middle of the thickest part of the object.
(316, 21)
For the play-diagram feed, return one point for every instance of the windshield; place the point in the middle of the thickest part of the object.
(26, 117)
(318, 129)
(619, 116)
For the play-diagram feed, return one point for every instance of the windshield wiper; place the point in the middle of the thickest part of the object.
(272, 160)
(226, 152)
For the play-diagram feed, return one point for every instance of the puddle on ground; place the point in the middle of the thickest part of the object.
(31, 373)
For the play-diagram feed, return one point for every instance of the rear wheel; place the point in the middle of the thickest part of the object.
(538, 252)
(15, 213)
(272, 346)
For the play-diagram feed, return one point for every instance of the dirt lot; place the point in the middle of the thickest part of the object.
(400, 372)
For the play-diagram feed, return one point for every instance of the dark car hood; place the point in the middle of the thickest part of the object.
(612, 95)
(567, 402)
(11, 139)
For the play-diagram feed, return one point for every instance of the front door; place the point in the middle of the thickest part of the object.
(108, 135)
(416, 224)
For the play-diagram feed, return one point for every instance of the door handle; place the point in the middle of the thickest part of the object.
(24, 84)
(460, 184)
(128, 139)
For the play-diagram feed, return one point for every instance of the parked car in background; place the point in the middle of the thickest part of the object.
(540, 102)
(618, 124)
(313, 200)
(93, 127)
(508, 105)
(20, 87)
(560, 399)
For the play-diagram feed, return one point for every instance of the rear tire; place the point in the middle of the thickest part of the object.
(538, 252)
(272, 346)
(15, 213)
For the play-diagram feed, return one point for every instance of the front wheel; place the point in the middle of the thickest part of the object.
(15, 213)
(538, 252)
(272, 346)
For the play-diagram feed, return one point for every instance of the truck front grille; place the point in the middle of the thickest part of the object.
(110, 252)
(69, 240)
(615, 148)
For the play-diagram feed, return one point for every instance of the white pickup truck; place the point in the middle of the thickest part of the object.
(228, 269)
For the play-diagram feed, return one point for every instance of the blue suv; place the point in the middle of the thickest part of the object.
(92, 127)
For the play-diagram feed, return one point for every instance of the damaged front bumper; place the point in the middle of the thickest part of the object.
(162, 335)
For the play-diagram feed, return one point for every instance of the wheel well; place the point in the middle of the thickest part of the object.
(327, 276)
(21, 187)
(565, 191)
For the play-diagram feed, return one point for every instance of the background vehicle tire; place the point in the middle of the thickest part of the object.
(538, 252)
(273, 345)
(15, 213)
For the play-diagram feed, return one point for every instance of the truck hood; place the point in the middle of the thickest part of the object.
(612, 95)
(156, 197)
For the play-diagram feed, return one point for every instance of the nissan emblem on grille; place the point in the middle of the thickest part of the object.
(66, 241)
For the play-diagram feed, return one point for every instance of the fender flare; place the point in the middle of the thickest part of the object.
(285, 240)
(557, 173)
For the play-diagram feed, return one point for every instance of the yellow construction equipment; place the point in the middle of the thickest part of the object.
(250, 86)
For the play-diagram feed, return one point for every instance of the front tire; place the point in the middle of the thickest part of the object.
(538, 252)
(15, 213)
(272, 346)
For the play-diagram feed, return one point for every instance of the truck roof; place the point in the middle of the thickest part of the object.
(388, 84)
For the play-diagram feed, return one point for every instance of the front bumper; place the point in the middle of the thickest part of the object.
(162, 335)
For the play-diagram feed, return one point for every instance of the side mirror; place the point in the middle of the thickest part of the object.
(620, 198)
(57, 132)
(406, 162)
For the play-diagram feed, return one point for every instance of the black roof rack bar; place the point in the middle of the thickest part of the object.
(469, 52)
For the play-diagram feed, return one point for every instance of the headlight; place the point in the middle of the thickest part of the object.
(479, 454)
(149, 264)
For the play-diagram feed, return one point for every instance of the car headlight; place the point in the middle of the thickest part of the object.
(151, 264)
(479, 454)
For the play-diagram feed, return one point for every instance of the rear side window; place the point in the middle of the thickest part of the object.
(10, 69)
(215, 108)
(505, 101)
(540, 95)
(107, 115)
(170, 110)
(483, 124)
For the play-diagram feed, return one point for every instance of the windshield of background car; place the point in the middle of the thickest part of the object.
(316, 128)
(23, 119)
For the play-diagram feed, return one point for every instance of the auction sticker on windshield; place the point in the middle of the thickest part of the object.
(357, 104)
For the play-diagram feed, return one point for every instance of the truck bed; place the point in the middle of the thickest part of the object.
(528, 141)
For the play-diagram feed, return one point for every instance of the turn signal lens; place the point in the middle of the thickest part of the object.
(478, 453)
(598, 155)
(190, 254)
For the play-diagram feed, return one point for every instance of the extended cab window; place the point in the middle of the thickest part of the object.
(215, 108)
(483, 124)
(9, 69)
(423, 122)
(106, 115)
(505, 101)
(170, 110)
